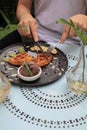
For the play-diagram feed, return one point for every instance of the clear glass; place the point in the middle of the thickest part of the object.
(4, 87)
(77, 75)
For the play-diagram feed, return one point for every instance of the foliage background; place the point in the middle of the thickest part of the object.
(9, 9)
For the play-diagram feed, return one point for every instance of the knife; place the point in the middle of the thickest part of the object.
(42, 51)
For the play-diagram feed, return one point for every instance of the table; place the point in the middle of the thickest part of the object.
(49, 107)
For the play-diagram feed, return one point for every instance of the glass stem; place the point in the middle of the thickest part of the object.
(83, 55)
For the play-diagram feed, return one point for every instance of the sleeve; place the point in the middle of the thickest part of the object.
(86, 5)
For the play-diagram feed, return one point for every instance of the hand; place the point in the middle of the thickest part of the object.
(31, 24)
(80, 20)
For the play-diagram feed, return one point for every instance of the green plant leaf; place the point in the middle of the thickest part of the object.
(10, 28)
(80, 33)
(63, 21)
(5, 18)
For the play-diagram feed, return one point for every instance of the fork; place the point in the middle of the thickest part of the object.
(50, 48)
(69, 41)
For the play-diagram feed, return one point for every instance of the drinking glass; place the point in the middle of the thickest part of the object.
(4, 87)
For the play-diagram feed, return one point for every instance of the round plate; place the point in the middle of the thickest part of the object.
(50, 73)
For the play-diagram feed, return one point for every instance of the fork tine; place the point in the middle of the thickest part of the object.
(50, 48)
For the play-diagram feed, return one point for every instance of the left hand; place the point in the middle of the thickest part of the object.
(80, 20)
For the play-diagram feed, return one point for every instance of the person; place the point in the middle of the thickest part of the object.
(43, 25)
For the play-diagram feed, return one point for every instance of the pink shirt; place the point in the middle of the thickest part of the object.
(48, 11)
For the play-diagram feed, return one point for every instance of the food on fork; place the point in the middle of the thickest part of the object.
(54, 51)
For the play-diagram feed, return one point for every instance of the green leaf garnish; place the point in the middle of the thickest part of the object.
(27, 68)
(5, 59)
(21, 50)
(12, 54)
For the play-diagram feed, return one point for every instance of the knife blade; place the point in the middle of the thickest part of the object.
(42, 51)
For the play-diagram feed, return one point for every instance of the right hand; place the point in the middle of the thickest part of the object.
(31, 24)
(80, 20)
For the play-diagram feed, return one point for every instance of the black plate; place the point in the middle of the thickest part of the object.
(51, 72)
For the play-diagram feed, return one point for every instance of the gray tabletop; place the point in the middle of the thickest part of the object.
(50, 107)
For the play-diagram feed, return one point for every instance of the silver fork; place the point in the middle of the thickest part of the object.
(70, 41)
(50, 48)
